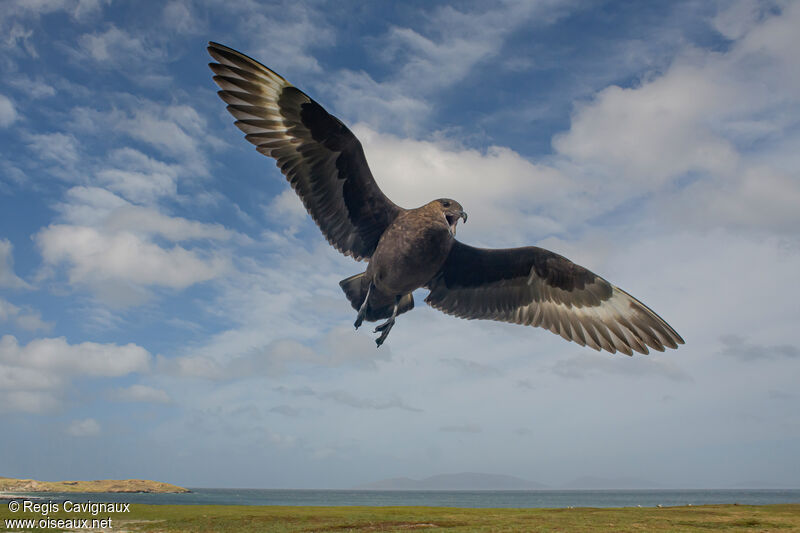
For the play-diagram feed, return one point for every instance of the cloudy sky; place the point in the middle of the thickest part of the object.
(168, 311)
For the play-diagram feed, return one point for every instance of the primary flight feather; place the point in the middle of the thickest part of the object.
(412, 248)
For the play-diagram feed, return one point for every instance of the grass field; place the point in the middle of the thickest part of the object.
(224, 518)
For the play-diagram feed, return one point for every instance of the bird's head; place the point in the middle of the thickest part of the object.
(452, 211)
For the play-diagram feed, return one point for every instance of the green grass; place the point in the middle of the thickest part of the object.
(224, 518)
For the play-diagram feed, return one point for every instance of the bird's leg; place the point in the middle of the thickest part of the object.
(362, 311)
(386, 327)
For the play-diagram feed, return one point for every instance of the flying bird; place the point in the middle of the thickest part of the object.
(408, 249)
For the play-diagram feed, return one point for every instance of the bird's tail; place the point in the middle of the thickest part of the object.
(356, 287)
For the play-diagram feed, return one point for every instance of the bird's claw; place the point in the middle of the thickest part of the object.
(388, 324)
(379, 340)
(384, 328)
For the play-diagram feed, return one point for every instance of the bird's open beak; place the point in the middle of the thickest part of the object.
(464, 216)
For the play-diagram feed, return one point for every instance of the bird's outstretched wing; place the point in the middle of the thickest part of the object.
(321, 158)
(536, 287)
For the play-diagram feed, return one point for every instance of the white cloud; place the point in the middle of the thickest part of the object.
(107, 242)
(142, 393)
(738, 347)
(283, 289)
(654, 132)
(349, 399)
(462, 428)
(589, 365)
(137, 186)
(739, 17)
(8, 114)
(286, 208)
(88, 358)
(11, 174)
(286, 410)
(717, 120)
(21, 378)
(286, 32)
(85, 8)
(178, 16)
(87, 427)
(34, 376)
(149, 221)
(8, 279)
(175, 131)
(458, 40)
(508, 198)
(93, 256)
(108, 213)
(97, 45)
(89, 206)
(171, 130)
(117, 48)
(27, 401)
(16, 14)
(758, 198)
(338, 348)
(32, 88)
(61, 148)
(17, 34)
(356, 95)
(112, 247)
(282, 440)
(470, 368)
(26, 319)
(7, 309)
(32, 321)
(445, 47)
(76, 8)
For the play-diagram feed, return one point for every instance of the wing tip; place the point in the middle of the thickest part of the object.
(220, 52)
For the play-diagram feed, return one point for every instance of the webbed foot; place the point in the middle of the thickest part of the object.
(388, 324)
(384, 329)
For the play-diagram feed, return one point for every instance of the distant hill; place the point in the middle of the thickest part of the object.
(8, 484)
(461, 481)
(620, 483)
(761, 484)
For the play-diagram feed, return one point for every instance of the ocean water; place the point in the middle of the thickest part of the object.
(480, 498)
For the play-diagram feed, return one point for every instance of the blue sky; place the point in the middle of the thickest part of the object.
(168, 311)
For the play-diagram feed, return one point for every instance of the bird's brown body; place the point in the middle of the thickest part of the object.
(409, 254)
(412, 248)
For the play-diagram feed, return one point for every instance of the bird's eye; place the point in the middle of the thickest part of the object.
(445, 204)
